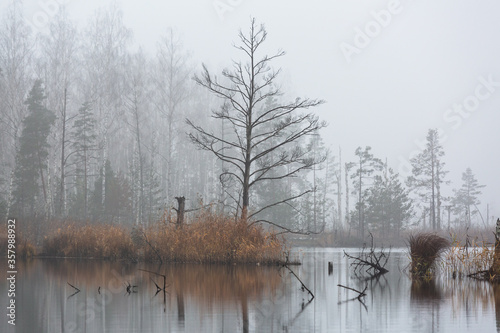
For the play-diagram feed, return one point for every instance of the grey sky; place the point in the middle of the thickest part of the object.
(422, 60)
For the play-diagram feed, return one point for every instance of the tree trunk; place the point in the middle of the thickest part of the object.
(62, 201)
(347, 196)
(495, 269)
(339, 189)
(181, 202)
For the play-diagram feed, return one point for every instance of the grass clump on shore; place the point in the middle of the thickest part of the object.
(213, 238)
(425, 248)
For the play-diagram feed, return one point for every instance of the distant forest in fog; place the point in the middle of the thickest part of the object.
(91, 131)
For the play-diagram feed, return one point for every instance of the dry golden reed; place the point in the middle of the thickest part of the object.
(425, 248)
(469, 259)
(211, 238)
(90, 241)
(23, 247)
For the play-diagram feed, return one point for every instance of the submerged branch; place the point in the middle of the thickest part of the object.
(360, 293)
(303, 286)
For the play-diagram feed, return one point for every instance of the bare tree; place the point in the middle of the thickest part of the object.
(104, 54)
(254, 124)
(58, 66)
(16, 53)
(138, 109)
(171, 78)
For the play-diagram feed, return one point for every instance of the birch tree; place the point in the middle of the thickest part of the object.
(16, 54)
(59, 68)
(171, 78)
(105, 51)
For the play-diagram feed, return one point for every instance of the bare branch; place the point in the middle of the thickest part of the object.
(280, 202)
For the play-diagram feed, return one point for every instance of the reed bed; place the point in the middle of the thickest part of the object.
(465, 260)
(90, 241)
(24, 248)
(213, 238)
(210, 238)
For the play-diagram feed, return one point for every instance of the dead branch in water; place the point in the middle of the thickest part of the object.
(303, 286)
(374, 262)
(158, 288)
(76, 290)
(360, 293)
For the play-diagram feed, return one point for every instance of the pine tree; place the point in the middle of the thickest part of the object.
(84, 145)
(117, 204)
(31, 159)
(389, 207)
(367, 164)
(428, 174)
(466, 199)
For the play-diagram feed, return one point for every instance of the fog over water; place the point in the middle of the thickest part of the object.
(389, 70)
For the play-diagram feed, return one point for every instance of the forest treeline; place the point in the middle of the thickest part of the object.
(94, 129)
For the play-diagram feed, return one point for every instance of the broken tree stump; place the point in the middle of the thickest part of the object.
(181, 204)
(495, 268)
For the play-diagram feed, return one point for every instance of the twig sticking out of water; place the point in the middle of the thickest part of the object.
(303, 286)
(76, 290)
(360, 293)
(158, 288)
(131, 288)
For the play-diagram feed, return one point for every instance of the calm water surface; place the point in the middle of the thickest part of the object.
(218, 298)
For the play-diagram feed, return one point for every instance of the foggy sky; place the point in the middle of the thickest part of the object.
(410, 66)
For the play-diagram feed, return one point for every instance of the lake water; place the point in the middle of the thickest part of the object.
(221, 298)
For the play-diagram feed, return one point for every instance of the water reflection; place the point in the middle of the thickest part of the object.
(219, 298)
(425, 292)
(197, 297)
